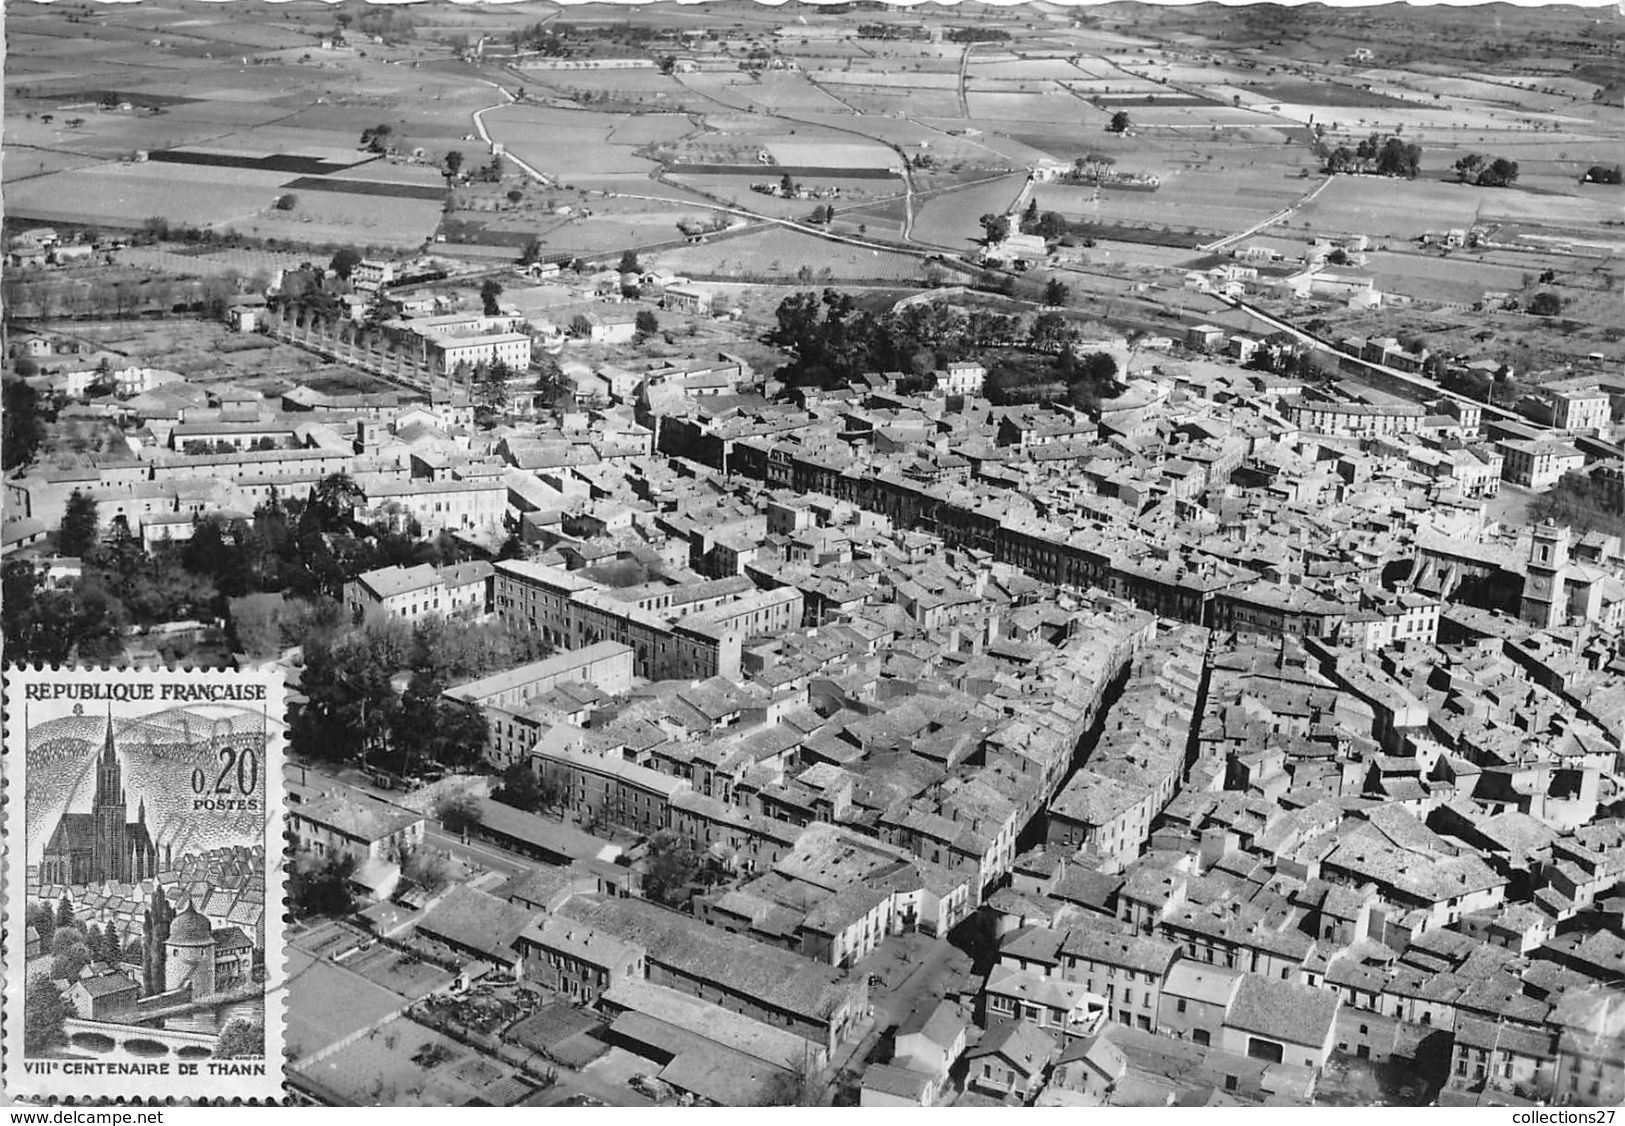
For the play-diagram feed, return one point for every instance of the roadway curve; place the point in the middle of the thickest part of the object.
(479, 127)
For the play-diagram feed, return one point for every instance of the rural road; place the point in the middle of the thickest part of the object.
(479, 127)
(964, 66)
(757, 217)
(1278, 217)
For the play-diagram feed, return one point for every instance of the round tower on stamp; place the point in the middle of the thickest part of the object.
(189, 953)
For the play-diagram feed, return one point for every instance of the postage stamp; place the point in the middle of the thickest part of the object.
(144, 883)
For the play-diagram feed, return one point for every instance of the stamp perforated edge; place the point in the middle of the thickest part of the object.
(202, 1089)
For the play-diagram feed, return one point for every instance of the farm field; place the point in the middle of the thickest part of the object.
(633, 84)
(874, 100)
(571, 146)
(783, 252)
(1454, 278)
(833, 154)
(737, 190)
(126, 194)
(1219, 200)
(952, 220)
(1051, 106)
(1406, 209)
(601, 234)
(1226, 126)
(910, 80)
(791, 93)
(339, 217)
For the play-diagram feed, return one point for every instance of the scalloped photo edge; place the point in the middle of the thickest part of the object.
(113, 829)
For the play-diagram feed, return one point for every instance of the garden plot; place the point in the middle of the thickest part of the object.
(398, 1064)
(327, 1003)
(399, 972)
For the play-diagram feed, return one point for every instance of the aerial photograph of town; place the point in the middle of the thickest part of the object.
(830, 555)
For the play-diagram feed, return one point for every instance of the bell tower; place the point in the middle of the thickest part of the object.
(1545, 602)
(109, 812)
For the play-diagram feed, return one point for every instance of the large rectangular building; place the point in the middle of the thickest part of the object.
(570, 611)
(503, 698)
(1538, 463)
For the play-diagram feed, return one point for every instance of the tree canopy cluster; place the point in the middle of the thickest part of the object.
(377, 138)
(1079, 381)
(1048, 225)
(1487, 172)
(1384, 157)
(305, 550)
(1581, 503)
(1545, 304)
(355, 713)
(24, 417)
(833, 340)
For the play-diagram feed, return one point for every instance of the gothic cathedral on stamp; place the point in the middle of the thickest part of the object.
(144, 883)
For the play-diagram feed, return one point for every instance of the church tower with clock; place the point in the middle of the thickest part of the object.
(1545, 602)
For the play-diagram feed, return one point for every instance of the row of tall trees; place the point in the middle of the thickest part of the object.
(35, 293)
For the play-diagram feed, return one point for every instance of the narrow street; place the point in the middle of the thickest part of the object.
(914, 972)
